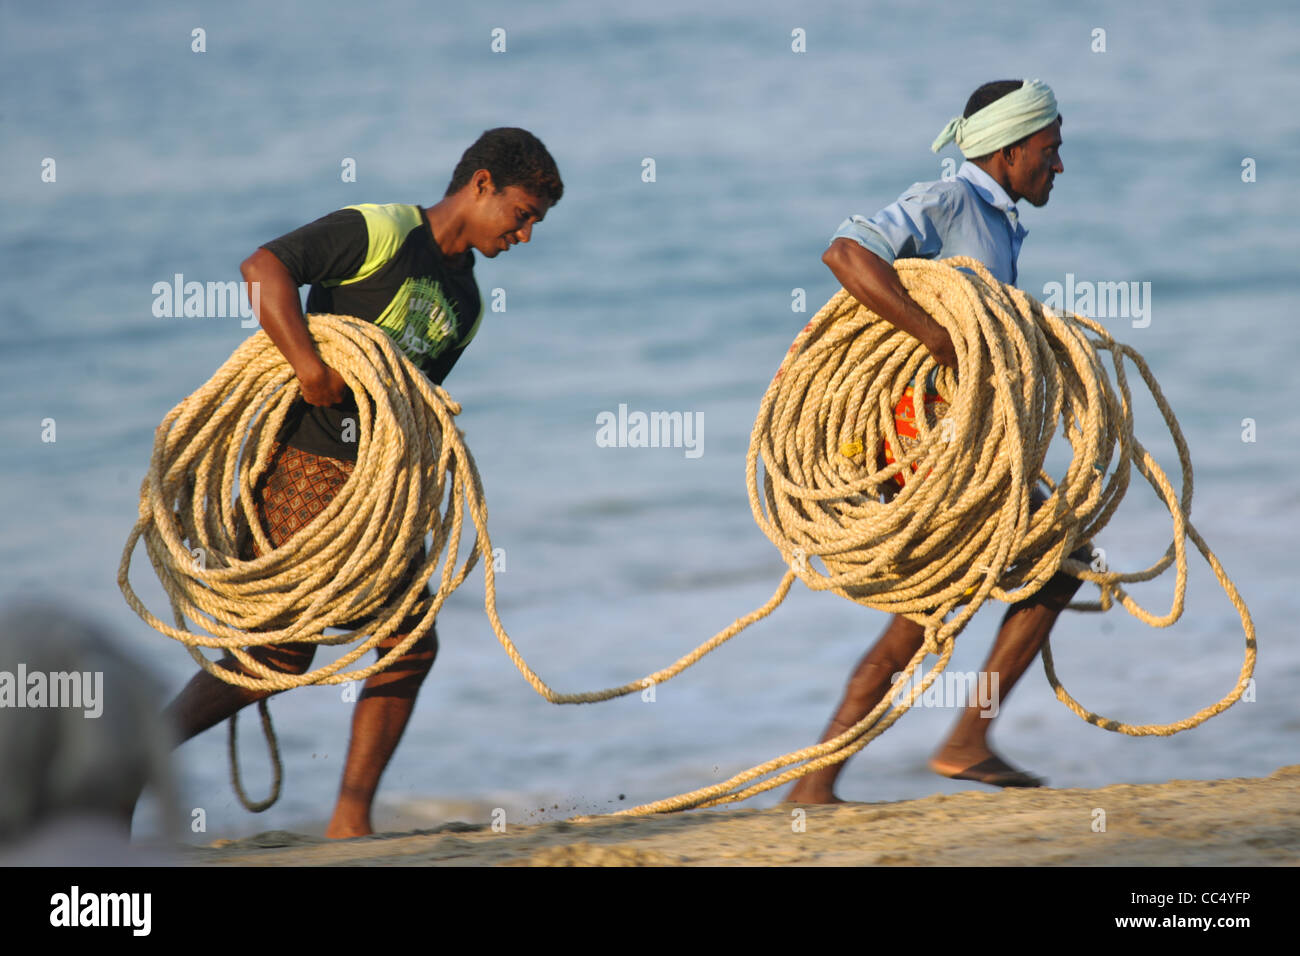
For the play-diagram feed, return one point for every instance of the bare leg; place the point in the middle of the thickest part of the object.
(966, 754)
(382, 712)
(867, 687)
(206, 700)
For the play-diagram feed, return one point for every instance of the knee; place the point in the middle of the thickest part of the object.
(419, 657)
(424, 651)
(403, 676)
(898, 645)
(1056, 593)
(873, 674)
(286, 658)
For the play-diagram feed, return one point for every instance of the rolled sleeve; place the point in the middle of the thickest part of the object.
(861, 231)
(908, 228)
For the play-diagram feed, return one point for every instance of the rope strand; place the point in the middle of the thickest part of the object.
(960, 531)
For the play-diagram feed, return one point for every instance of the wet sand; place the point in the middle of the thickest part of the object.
(1234, 822)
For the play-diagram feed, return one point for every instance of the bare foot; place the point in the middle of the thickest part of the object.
(336, 831)
(986, 767)
(811, 793)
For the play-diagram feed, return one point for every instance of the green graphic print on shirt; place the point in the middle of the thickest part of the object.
(421, 320)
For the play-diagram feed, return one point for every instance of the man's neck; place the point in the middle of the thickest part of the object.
(447, 220)
(997, 170)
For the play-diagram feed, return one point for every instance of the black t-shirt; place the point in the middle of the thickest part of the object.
(381, 264)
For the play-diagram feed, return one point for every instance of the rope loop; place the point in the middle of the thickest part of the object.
(961, 530)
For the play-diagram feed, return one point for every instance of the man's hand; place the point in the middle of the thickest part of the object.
(322, 385)
(941, 347)
(281, 316)
(873, 282)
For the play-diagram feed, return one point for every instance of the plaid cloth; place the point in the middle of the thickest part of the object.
(296, 488)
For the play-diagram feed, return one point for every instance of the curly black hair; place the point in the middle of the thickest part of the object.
(514, 157)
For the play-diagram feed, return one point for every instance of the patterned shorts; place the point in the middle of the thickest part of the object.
(296, 487)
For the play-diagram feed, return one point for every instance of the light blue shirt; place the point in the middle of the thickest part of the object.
(970, 215)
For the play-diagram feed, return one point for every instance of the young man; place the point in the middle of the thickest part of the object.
(1010, 134)
(411, 270)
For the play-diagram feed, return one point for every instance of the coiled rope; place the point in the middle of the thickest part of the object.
(953, 538)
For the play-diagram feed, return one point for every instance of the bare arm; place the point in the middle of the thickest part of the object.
(873, 282)
(280, 313)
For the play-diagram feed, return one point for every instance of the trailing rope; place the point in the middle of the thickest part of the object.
(962, 531)
(950, 540)
(277, 769)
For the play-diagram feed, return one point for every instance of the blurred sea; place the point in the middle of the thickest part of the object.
(673, 295)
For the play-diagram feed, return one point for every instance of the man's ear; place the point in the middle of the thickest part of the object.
(483, 184)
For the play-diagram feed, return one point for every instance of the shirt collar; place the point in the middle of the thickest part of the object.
(990, 190)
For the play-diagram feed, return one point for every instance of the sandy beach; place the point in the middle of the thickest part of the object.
(1233, 822)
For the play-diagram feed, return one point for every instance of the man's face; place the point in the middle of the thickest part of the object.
(504, 218)
(1036, 164)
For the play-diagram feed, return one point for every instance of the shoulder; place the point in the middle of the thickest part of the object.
(389, 222)
(948, 195)
(387, 228)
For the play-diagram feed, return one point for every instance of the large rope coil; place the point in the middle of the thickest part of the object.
(209, 453)
(960, 532)
(965, 526)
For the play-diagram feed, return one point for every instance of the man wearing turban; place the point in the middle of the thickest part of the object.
(1010, 134)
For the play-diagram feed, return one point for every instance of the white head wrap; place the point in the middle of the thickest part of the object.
(1002, 122)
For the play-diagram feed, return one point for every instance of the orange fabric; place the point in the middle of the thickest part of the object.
(905, 423)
